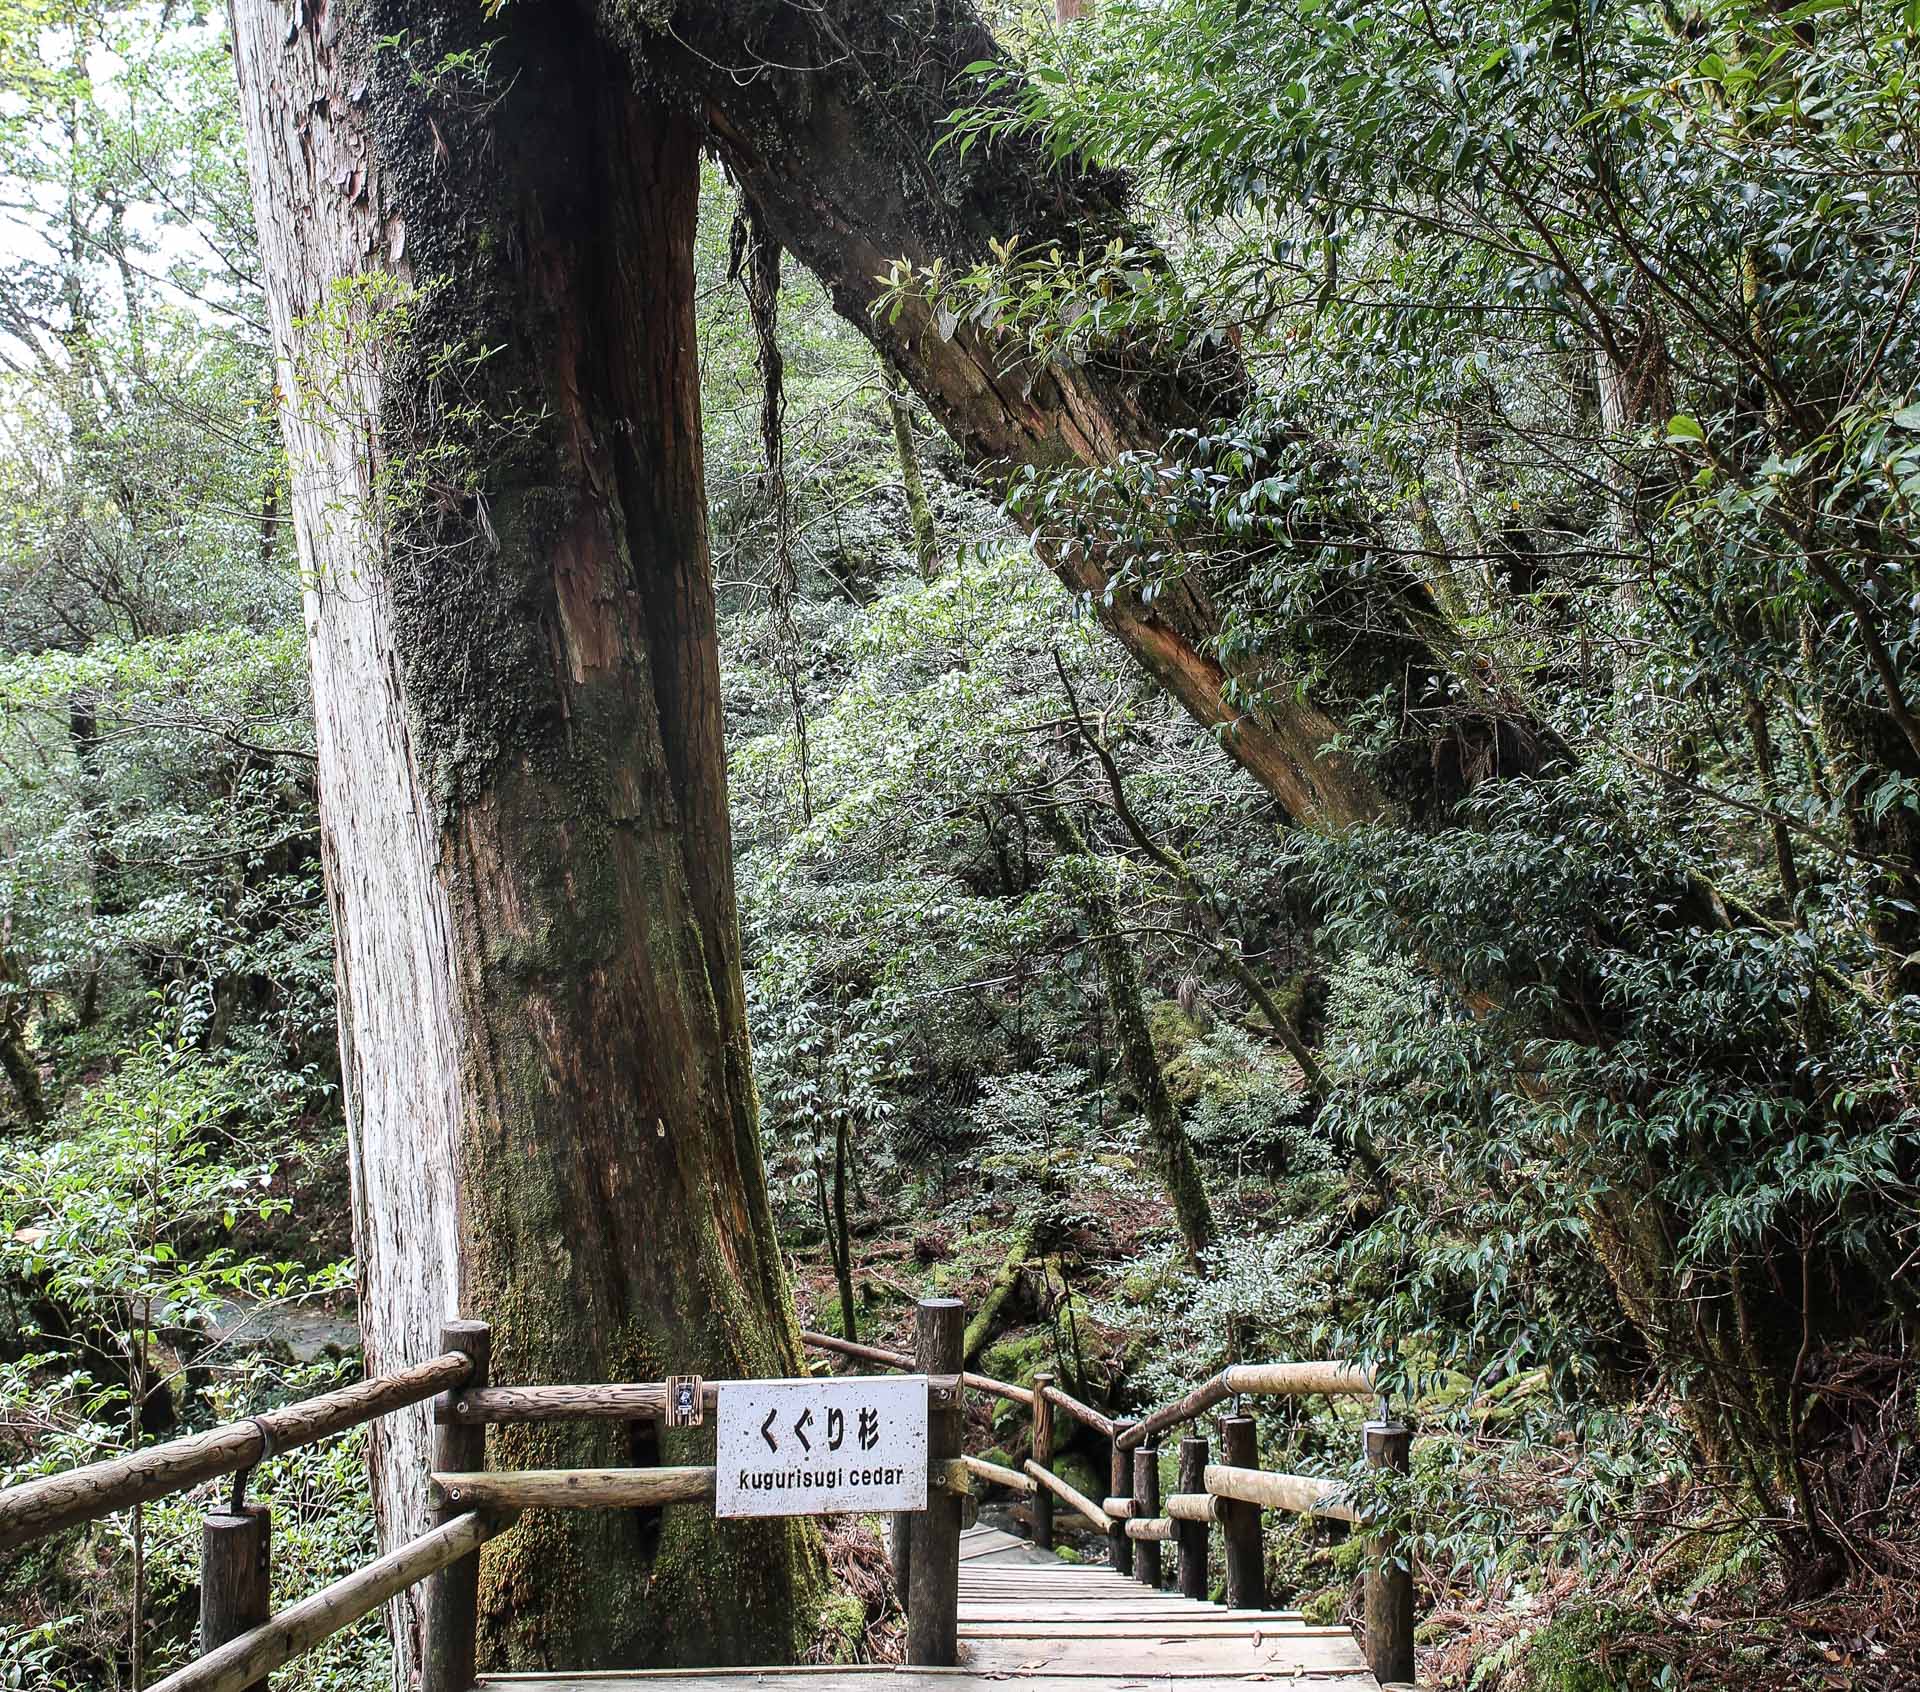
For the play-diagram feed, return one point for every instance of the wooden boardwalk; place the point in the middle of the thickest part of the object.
(1025, 1615)
(987, 1606)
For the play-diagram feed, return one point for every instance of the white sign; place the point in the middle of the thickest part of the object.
(818, 1448)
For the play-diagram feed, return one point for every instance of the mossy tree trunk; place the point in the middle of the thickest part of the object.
(926, 542)
(16, 1057)
(479, 266)
(1168, 1146)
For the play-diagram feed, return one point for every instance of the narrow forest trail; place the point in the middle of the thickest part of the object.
(1025, 1615)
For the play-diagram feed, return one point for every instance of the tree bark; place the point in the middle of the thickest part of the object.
(515, 681)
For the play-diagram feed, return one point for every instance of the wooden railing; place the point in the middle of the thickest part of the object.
(242, 1643)
(1230, 1493)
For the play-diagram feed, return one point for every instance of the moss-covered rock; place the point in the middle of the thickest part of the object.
(1322, 1608)
(1172, 1029)
(1019, 1357)
(1079, 1474)
(839, 1628)
(1588, 1649)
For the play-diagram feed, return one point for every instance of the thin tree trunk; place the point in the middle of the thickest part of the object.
(16, 1056)
(926, 542)
(1171, 1151)
(524, 814)
(843, 1235)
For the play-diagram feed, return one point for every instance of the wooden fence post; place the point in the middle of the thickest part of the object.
(1389, 1587)
(450, 1661)
(1120, 1485)
(1191, 1537)
(1146, 1505)
(1240, 1523)
(933, 1602)
(236, 1579)
(900, 1544)
(1043, 1455)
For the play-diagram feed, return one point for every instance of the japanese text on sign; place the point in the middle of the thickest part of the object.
(808, 1448)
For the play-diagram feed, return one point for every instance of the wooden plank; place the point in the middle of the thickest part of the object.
(981, 1578)
(1105, 1615)
(1019, 1559)
(1046, 1563)
(1161, 1655)
(818, 1679)
(1149, 1627)
(987, 1548)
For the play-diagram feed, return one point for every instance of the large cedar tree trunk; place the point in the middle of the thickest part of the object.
(482, 300)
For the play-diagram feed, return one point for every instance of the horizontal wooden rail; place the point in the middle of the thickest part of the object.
(1117, 1508)
(36, 1508)
(625, 1489)
(611, 1401)
(1009, 1478)
(1276, 1380)
(999, 1389)
(248, 1660)
(576, 1489)
(1302, 1494)
(1300, 1380)
(603, 1401)
(1192, 1507)
(1060, 1489)
(1156, 1529)
(1102, 1425)
(851, 1348)
(900, 1360)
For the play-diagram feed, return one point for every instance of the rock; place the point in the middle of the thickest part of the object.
(293, 1333)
